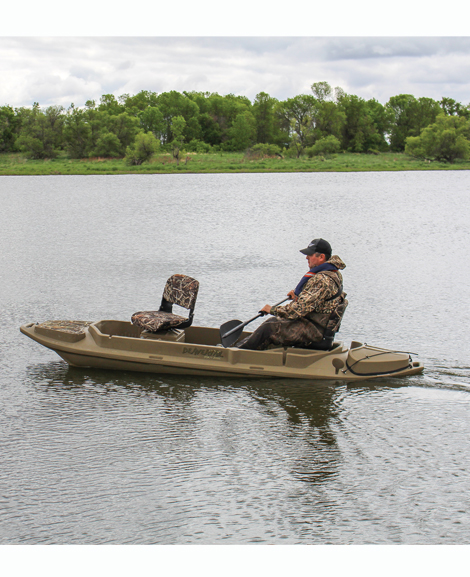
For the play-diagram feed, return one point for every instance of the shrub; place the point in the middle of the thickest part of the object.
(198, 146)
(325, 147)
(445, 140)
(414, 147)
(263, 151)
(107, 145)
(291, 153)
(142, 150)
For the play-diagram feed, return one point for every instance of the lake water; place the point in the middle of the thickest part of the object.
(97, 457)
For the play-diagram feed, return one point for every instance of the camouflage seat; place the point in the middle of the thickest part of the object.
(180, 290)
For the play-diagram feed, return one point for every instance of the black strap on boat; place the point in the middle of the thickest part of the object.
(350, 367)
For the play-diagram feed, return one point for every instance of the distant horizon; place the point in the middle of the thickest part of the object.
(65, 70)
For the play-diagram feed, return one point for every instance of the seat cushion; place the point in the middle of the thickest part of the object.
(156, 320)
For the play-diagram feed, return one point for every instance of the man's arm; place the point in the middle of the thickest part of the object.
(267, 308)
(314, 293)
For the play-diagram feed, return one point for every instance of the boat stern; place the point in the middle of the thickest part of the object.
(367, 361)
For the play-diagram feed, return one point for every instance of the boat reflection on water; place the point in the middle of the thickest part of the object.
(300, 417)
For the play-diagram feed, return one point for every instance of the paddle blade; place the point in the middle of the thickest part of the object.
(229, 340)
(231, 330)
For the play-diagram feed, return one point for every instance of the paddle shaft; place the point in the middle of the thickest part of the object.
(237, 328)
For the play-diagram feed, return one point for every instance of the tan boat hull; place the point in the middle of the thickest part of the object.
(119, 345)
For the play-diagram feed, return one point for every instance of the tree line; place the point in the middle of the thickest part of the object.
(325, 121)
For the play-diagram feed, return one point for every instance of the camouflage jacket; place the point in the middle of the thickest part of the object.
(312, 299)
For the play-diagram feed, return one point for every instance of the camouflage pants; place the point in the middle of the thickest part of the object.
(282, 333)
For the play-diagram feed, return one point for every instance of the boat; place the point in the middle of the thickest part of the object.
(121, 345)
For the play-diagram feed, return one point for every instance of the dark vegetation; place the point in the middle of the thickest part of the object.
(201, 131)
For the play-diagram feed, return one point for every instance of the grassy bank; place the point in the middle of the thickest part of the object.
(16, 164)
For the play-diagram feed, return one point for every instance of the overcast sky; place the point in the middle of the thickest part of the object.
(59, 70)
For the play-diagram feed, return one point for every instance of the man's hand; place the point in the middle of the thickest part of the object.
(292, 295)
(267, 308)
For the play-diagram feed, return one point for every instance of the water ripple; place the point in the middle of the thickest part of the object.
(103, 457)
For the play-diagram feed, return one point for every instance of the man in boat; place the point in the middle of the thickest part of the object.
(317, 307)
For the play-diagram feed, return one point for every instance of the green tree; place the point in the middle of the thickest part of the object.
(109, 104)
(172, 104)
(410, 116)
(211, 132)
(77, 133)
(382, 119)
(223, 111)
(41, 132)
(9, 125)
(426, 111)
(151, 120)
(359, 133)
(95, 132)
(446, 140)
(322, 91)
(297, 116)
(139, 102)
(125, 127)
(143, 149)
(242, 133)
(453, 108)
(177, 129)
(400, 107)
(96, 121)
(200, 98)
(267, 127)
(329, 120)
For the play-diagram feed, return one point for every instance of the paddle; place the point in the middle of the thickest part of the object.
(231, 330)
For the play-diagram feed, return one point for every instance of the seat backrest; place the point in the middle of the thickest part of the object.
(180, 290)
(336, 317)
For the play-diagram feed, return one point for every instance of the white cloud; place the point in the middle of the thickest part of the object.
(61, 70)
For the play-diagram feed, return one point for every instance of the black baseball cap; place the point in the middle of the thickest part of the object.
(318, 245)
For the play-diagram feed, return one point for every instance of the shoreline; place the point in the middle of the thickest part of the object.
(224, 172)
(14, 164)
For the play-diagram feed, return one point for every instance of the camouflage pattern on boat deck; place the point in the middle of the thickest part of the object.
(73, 327)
